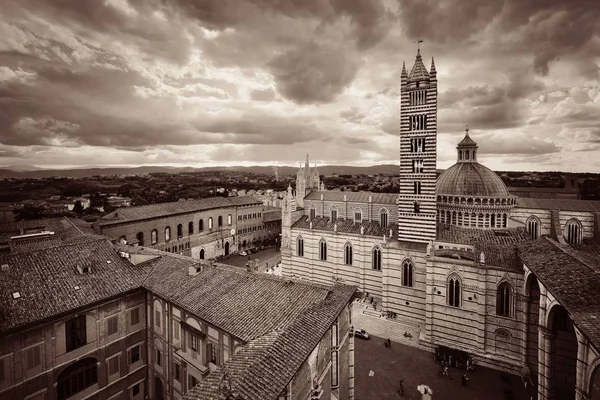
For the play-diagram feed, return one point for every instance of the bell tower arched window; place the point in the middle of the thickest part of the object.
(323, 250)
(300, 247)
(383, 218)
(573, 231)
(348, 254)
(504, 300)
(377, 258)
(533, 227)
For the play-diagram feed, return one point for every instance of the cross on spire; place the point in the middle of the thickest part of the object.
(467, 129)
(418, 42)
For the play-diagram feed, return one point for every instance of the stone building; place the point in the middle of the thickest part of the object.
(307, 179)
(81, 317)
(460, 260)
(203, 229)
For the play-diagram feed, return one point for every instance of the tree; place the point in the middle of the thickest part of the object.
(78, 207)
(29, 212)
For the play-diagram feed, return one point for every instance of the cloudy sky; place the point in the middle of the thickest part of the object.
(201, 82)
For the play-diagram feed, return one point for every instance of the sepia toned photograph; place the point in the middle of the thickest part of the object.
(299, 200)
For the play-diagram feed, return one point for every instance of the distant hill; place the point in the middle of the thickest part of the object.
(22, 168)
(9, 172)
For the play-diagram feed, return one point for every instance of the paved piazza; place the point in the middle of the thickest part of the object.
(417, 367)
(268, 255)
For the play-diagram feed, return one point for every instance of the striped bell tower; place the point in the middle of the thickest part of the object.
(418, 150)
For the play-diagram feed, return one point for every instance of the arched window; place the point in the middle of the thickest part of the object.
(202, 254)
(140, 238)
(154, 236)
(229, 219)
(416, 207)
(407, 273)
(454, 292)
(220, 221)
(348, 254)
(357, 215)
(323, 250)
(179, 231)
(210, 223)
(200, 225)
(573, 231)
(377, 258)
(76, 378)
(533, 227)
(167, 233)
(333, 213)
(191, 228)
(383, 218)
(503, 300)
(466, 154)
(300, 247)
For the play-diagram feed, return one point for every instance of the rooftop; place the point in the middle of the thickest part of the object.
(354, 197)
(372, 228)
(272, 215)
(49, 283)
(251, 370)
(572, 282)
(559, 204)
(149, 211)
(470, 179)
(499, 246)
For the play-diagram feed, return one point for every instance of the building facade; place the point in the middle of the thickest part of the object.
(452, 262)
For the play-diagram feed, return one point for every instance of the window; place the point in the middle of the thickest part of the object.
(176, 330)
(229, 219)
(75, 331)
(358, 215)
(200, 225)
(454, 292)
(113, 365)
(154, 236)
(418, 97)
(348, 254)
(417, 187)
(134, 354)
(417, 145)
(191, 228)
(313, 213)
(202, 254)
(239, 217)
(418, 122)
(503, 300)
(383, 218)
(300, 246)
(176, 372)
(211, 353)
(407, 273)
(573, 231)
(179, 231)
(417, 207)
(33, 357)
(135, 390)
(220, 221)
(167, 233)
(322, 250)
(194, 342)
(158, 357)
(417, 166)
(333, 214)
(134, 316)
(377, 258)
(140, 238)
(112, 325)
(157, 318)
(210, 223)
(192, 382)
(533, 224)
(76, 378)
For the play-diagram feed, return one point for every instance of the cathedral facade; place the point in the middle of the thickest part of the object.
(459, 259)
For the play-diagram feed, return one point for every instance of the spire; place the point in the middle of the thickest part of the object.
(418, 71)
(432, 69)
(306, 160)
(404, 73)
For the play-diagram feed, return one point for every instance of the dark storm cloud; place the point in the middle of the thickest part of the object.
(546, 29)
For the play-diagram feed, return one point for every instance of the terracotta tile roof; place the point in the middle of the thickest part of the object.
(520, 189)
(574, 284)
(264, 366)
(136, 213)
(245, 305)
(46, 281)
(559, 204)
(498, 246)
(354, 197)
(272, 215)
(372, 228)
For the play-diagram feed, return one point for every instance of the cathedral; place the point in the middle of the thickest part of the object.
(509, 281)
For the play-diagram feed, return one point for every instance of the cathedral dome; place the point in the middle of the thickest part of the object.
(470, 179)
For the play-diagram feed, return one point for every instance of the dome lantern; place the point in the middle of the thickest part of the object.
(466, 149)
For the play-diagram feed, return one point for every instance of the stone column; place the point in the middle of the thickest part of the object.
(545, 369)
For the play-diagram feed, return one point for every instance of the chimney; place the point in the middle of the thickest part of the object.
(194, 269)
